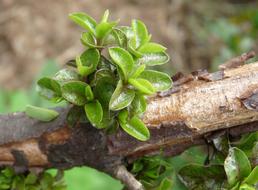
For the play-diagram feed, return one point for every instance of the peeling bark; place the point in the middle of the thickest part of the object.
(197, 106)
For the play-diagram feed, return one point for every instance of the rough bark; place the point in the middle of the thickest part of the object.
(200, 106)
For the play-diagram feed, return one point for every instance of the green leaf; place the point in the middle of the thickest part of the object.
(247, 142)
(121, 98)
(252, 178)
(104, 89)
(254, 153)
(160, 81)
(137, 166)
(142, 85)
(120, 37)
(123, 59)
(41, 114)
(132, 48)
(76, 115)
(236, 187)
(49, 88)
(196, 176)
(94, 112)
(89, 40)
(246, 187)
(151, 48)
(106, 64)
(128, 31)
(105, 16)
(237, 166)
(74, 92)
(88, 61)
(104, 29)
(84, 21)
(137, 71)
(108, 120)
(152, 59)
(88, 93)
(66, 75)
(138, 105)
(31, 179)
(166, 184)
(140, 32)
(135, 127)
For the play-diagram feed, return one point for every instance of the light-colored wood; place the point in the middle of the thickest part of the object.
(207, 106)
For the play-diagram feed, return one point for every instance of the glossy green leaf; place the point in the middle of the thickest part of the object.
(104, 28)
(88, 93)
(137, 71)
(140, 32)
(110, 39)
(41, 114)
(237, 166)
(94, 112)
(84, 21)
(138, 105)
(160, 81)
(151, 47)
(252, 178)
(120, 37)
(128, 31)
(121, 98)
(123, 116)
(142, 85)
(123, 59)
(102, 73)
(88, 61)
(152, 59)
(135, 127)
(104, 89)
(74, 92)
(132, 48)
(49, 88)
(89, 40)
(66, 75)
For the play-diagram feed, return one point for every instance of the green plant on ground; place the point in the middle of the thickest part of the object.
(108, 83)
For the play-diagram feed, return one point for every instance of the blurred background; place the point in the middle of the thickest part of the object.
(37, 38)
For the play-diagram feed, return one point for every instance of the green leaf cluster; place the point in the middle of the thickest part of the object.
(44, 181)
(236, 170)
(108, 83)
(153, 172)
(231, 166)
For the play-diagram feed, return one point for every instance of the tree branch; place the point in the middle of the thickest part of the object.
(200, 106)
